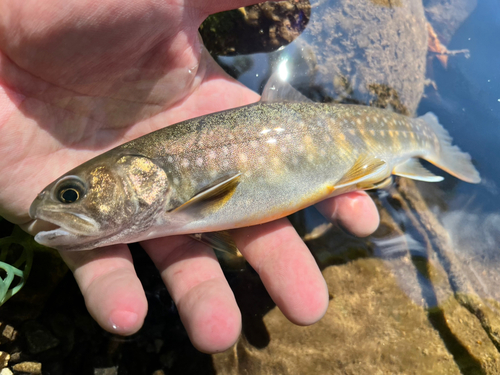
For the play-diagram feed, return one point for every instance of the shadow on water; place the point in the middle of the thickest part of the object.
(464, 360)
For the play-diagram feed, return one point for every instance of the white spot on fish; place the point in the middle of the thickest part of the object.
(170, 159)
(185, 163)
(265, 131)
(243, 158)
(176, 181)
(382, 133)
(212, 154)
(372, 132)
(225, 150)
(254, 144)
(261, 160)
(358, 121)
(279, 130)
(271, 140)
(225, 163)
(352, 132)
(199, 162)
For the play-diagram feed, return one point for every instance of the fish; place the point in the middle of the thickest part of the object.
(240, 167)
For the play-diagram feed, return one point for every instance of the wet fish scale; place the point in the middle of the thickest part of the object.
(241, 167)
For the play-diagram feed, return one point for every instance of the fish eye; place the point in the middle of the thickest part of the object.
(69, 195)
(70, 190)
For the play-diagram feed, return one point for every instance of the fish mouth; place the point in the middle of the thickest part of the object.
(64, 230)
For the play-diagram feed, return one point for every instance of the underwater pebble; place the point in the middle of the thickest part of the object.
(106, 371)
(8, 333)
(6, 371)
(4, 359)
(28, 367)
(38, 338)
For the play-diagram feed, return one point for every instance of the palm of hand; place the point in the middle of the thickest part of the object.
(91, 75)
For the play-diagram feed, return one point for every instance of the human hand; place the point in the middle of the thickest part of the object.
(80, 77)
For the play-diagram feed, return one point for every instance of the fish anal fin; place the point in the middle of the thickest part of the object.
(414, 170)
(366, 172)
(212, 197)
(221, 241)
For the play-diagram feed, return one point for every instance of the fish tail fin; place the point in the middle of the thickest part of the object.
(450, 158)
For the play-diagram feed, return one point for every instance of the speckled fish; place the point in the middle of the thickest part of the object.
(240, 167)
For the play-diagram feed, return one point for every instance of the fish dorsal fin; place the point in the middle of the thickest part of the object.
(414, 170)
(221, 241)
(366, 173)
(277, 90)
(213, 196)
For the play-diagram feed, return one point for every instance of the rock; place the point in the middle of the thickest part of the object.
(8, 333)
(106, 371)
(4, 359)
(38, 338)
(6, 371)
(360, 51)
(28, 368)
(15, 357)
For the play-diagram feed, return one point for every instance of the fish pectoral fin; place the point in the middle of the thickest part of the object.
(221, 241)
(277, 90)
(213, 196)
(366, 173)
(414, 170)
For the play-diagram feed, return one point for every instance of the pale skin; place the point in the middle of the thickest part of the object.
(80, 77)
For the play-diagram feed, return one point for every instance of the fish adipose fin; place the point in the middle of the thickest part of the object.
(450, 158)
(213, 196)
(414, 170)
(221, 241)
(277, 90)
(366, 173)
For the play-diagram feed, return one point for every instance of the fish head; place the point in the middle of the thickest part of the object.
(103, 201)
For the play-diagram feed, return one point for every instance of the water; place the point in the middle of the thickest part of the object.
(442, 246)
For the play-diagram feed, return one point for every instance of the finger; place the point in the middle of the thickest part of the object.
(287, 269)
(205, 301)
(113, 294)
(356, 212)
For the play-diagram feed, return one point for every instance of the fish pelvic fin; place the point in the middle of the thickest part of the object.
(450, 158)
(367, 172)
(414, 170)
(213, 196)
(221, 241)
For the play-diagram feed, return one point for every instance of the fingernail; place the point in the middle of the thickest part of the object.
(123, 322)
